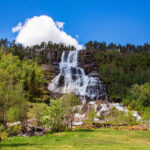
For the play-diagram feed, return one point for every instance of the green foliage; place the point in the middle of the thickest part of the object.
(50, 116)
(123, 49)
(90, 117)
(19, 71)
(60, 114)
(14, 130)
(119, 72)
(12, 114)
(32, 86)
(13, 105)
(41, 114)
(2, 128)
(146, 115)
(69, 105)
(117, 118)
(53, 116)
(36, 52)
(14, 81)
(138, 97)
(3, 135)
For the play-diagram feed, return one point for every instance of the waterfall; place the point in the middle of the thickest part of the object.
(72, 79)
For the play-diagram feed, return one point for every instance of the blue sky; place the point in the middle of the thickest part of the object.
(119, 21)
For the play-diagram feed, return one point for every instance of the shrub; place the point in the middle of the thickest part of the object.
(138, 97)
(117, 117)
(15, 130)
(3, 135)
(2, 128)
(146, 115)
(90, 117)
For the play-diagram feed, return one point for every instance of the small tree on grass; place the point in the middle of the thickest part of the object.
(69, 104)
(41, 114)
(56, 115)
(60, 114)
(90, 117)
(52, 116)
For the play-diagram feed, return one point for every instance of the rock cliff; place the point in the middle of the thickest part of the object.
(50, 65)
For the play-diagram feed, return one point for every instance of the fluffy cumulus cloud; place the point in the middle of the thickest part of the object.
(43, 28)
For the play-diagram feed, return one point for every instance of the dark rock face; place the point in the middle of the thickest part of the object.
(34, 131)
(88, 62)
(61, 81)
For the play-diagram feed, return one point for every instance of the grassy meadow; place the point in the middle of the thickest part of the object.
(98, 139)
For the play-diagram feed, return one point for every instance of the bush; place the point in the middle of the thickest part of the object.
(15, 130)
(2, 128)
(120, 118)
(90, 118)
(3, 135)
(146, 115)
(138, 97)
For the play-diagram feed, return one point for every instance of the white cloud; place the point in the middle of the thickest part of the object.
(42, 28)
(77, 36)
(60, 25)
(17, 28)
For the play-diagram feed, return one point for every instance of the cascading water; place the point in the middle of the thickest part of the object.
(72, 79)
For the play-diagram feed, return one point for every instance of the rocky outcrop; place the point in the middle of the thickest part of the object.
(29, 128)
(102, 109)
(88, 62)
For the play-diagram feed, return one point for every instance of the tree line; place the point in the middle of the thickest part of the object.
(32, 51)
(123, 49)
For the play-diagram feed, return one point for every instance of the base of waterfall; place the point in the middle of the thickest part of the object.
(102, 108)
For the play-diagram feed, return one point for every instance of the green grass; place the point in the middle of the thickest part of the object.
(99, 139)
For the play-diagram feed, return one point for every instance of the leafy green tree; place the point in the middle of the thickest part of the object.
(60, 114)
(14, 80)
(6, 90)
(12, 99)
(53, 116)
(69, 105)
(41, 114)
(90, 117)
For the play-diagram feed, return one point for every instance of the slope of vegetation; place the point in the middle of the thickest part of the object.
(19, 83)
(125, 71)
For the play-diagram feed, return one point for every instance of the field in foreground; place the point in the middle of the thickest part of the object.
(99, 139)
